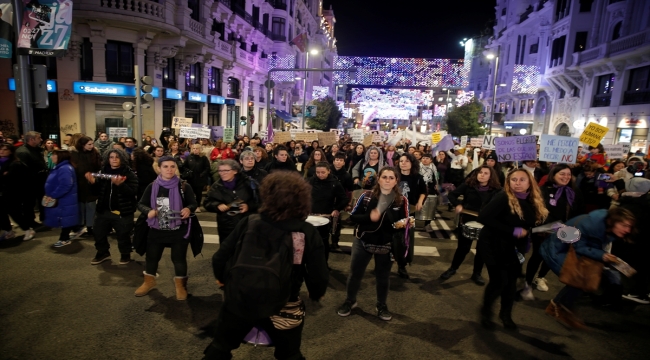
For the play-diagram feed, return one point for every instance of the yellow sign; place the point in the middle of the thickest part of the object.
(593, 134)
(436, 137)
(281, 137)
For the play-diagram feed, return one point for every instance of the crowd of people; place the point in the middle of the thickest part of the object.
(91, 187)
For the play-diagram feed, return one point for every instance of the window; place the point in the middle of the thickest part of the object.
(562, 94)
(581, 41)
(251, 97)
(278, 26)
(523, 51)
(86, 62)
(531, 105)
(603, 95)
(194, 5)
(214, 81)
(534, 48)
(169, 74)
(518, 49)
(557, 52)
(638, 90)
(616, 33)
(233, 88)
(265, 21)
(262, 93)
(563, 8)
(193, 78)
(219, 28)
(119, 61)
(585, 5)
(522, 106)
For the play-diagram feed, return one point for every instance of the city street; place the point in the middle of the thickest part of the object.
(55, 305)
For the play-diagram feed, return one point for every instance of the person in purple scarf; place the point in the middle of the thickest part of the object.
(168, 205)
(507, 222)
(563, 201)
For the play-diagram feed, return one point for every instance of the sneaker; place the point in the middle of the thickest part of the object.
(637, 298)
(198, 210)
(62, 243)
(478, 279)
(29, 234)
(100, 257)
(346, 308)
(428, 228)
(527, 293)
(125, 259)
(447, 274)
(383, 313)
(10, 235)
(540, 284)
(78, 233)
(401, 271)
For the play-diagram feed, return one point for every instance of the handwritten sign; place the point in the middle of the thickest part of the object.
(626, 148)
(376, 136)
(463, 141)
(357, 135)
(336, 131)
(436, 137)
(327, 138)
(229, 135)
(281, 137)
(516, 148)
(488, 142)
(558, 149)
(306, 137)
(179, 122)
(615, 151)
(367, 140)
(118, 132)
(217, 132)
(195, 133)
(476, 142)
(593, 134)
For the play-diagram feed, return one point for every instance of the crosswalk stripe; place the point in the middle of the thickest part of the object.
(419, 250)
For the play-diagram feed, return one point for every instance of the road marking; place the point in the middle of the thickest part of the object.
(419, 250)
(418, 234)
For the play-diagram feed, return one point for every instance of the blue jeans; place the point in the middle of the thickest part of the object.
(359, 262)
(569, 294)
(87, 213)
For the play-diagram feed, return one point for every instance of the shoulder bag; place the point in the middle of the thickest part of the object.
(583, 273)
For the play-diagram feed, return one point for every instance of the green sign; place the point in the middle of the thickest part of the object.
(228, 135)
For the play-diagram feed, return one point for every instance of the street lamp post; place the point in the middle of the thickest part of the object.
(304, 90)
(491, 56)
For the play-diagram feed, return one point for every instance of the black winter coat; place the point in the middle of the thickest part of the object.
(562, 211)
(473, 199)
(218, 194)
(497, 244)
(83, 162)
(13, 186)
(344, 178)
(199, 165)
(256, 174)
(378, 233)
(124, 196)
(327, 195)
(275, 165)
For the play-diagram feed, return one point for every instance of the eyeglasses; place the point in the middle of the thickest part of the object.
(224, 171)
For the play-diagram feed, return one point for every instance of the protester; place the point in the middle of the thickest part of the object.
(280, 161)
(143, 168)
(85, 159)
(261, 157)
(61, 187)
(413, 187)
(507, 221)
(195, 170)
(168, 205)
(317, 155)
(340, 172)
(280, 214)
(103, 143)
(456, 170)
(13, 190)
(477, 191)
(364, 173)
(247, 160)
(375, 215)
(31, 154)
(48, 147)
(353, 158)
(116, 205)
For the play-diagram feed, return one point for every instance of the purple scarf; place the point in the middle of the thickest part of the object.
(483, 188)
(389, 158)
(175, 202)
(570, 194)
(521, 196)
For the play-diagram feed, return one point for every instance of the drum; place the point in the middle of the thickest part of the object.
(428, 211)
(258, 337)
(317, 220)
(471, 229)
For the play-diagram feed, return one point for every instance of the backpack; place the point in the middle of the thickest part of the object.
(258, 280)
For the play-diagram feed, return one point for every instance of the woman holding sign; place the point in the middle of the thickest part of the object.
(508, 219)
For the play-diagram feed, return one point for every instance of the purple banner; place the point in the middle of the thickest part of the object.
(516, 148)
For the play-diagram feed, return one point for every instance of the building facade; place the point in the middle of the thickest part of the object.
(209, 60)
(565, 63)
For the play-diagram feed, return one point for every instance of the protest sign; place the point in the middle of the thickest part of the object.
(327, 138)
(229, 135)
(436, 137)
(217, 132)
(179, 122)
(357, 135)
(367, 140)
(195, 133)
(593, 133)
(335, 131)
(463, 141)
(488, 142)
(615, 151)
(281, 137)
(118, 132)
(558, 149)
(306, 137)
(476, 142)
(516, 148)
(376, 136)
(626, 148)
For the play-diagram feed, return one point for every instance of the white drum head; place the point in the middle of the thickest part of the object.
(317, 220)
(474, 224)
(568, 234)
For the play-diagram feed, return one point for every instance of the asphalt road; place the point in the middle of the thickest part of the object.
(55, 305)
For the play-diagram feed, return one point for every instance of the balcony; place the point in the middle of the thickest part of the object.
(636, 97)
(523, 17)
(260, 27)
(197, 27)
(278, 37)
(262, 99)
(278, 4)
(241, 12)
(140, 8)
(602, 100)
(619, 46)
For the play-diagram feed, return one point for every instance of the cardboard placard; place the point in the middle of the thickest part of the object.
(463, 141)
(476, 142)
(195, 133)
(488, 142)
(376, 136)
(335, 131)
(281, 137)
(626, 148)
(306, 137)
(179, 122)
(118, 132)
(615, 151)
(327, 138)
(516, 148)
(367, 140)
(229, 135)
(558, 149)
(436, 137)
(357, 135)
(593, 134)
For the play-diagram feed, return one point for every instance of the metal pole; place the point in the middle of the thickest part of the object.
(23, 72)
(494, 93)
(304, 92)
(138, 102)
(268, 100)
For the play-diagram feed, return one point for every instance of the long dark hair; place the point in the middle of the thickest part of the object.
(415, 164)
(141, 158)
(493, 182)
(376, 190)
(61, 155)
(556, 169)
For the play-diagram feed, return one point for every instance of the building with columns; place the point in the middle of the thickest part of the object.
(209, 60)
(565, 63)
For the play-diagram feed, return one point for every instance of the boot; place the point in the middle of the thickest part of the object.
(562, 314)
(148, 284)
(181, 287)
(335, 246)
(486, 318)
(478, 279)
(506, 319)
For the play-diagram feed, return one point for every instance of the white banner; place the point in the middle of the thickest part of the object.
(195, 133)
(118, 132)
(179, 122)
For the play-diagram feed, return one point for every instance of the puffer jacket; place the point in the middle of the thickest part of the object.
(126, 193)
(327, 195)
(218, 194)
(61, 185)
(378, 233)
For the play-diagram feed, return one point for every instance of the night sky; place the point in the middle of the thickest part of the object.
(408, 28)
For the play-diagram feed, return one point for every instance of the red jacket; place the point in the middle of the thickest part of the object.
(225, 154)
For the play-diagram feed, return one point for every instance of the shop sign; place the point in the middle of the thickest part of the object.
(107, 89)
(215, 99)
(633, 123)
(173, 94)
(196, 97)
(51, 85)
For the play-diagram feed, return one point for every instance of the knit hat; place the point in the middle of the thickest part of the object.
(492, 156)
(638, 184)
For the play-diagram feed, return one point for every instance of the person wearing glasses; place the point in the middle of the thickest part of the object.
(233, 196)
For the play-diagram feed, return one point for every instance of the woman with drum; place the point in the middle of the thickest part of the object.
(507, 222)
(378, 219)
(563, 202)
(317, 155)
(476, 191)
(414, 188)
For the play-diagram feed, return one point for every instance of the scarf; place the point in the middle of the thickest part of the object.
(175, 202)
(486, 188)
(427, 173)
(521, 196)
(230, 185)
(570, 194)
(3, 159)
(389, 158)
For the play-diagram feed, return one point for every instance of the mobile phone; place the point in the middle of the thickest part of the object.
(638, 174)
(604, 177)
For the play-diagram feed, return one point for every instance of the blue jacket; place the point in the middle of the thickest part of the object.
(592, 240)
(61, 185)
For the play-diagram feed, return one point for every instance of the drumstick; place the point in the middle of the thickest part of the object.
(469, 212)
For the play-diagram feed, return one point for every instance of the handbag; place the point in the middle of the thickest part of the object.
(49, 202)
(582, 273)
(140, 234)
(376, 249)
(291, 315)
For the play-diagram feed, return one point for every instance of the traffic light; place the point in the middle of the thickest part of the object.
(250, 105)
(128, 107)
(242, 121)
(144, 84)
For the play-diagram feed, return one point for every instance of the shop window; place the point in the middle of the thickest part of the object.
(233, 88)
(193, 111)
(214, 81)
(168, 113)
(169, 74)
(193, 78)
(119, 61)
(214, 114)
(86, 62)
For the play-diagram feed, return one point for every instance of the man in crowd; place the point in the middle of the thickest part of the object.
(31, 154)
(247, 160)
(130, 145)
